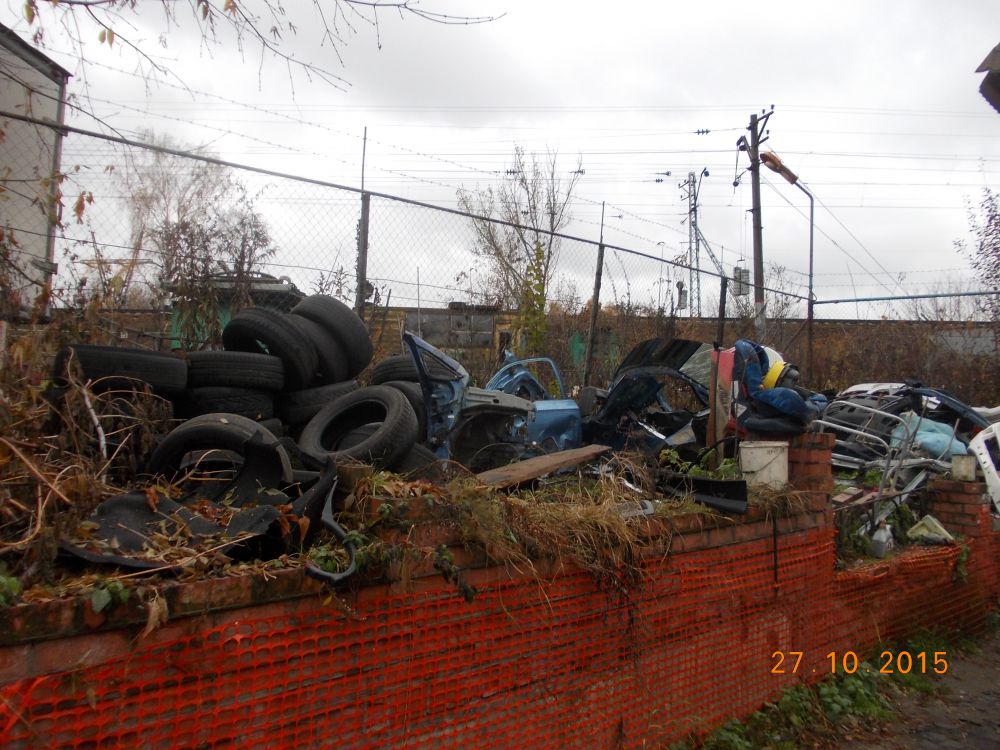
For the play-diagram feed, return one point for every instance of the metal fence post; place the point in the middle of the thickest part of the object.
(595, 305)
(716, 421)
(362, 272)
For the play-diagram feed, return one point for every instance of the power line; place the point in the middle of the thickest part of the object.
(833, 241)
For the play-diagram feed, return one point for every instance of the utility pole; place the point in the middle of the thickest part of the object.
(360, 293)
(595, 305)
(694, 279)
(757, 125)
(691, 187)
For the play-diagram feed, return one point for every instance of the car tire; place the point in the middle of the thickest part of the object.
(272, 425)
(418, 457)
(402, 367)
(415, 395)
(298, 407)
(332, 362)
(396, 433)
(260, 330)
(257, 405)
(236, 370)
(345, 326)
(116, 368)
(227, 432)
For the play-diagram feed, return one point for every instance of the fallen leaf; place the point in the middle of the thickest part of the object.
(156, 614)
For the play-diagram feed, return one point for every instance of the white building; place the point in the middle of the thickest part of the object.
(31, 85)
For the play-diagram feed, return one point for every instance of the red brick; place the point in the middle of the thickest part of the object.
(722, 536)
(424, 535)
(818, 502)
(691, 541)
(950, 520)
(952, 488)
(821, 440)
(796, 471)
(751, 531)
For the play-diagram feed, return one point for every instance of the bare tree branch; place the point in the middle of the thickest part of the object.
(265, 22)
(530, 206)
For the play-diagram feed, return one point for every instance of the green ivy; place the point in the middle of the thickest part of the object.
(10, 587)
(531, 320)
(107, 593)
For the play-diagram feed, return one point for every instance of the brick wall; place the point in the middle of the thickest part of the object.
(543, 657)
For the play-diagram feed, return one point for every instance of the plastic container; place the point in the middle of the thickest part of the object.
(882, 541)
(764, 462)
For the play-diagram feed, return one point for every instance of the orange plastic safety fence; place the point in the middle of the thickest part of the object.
(563, 662)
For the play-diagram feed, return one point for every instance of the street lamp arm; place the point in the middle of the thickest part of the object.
(770, 160)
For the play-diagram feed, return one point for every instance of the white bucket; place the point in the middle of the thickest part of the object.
(764, 462)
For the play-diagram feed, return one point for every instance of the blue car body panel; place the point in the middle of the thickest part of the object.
(526, 428)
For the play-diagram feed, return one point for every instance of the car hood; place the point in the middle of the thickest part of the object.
(657, 352)
(639, 377)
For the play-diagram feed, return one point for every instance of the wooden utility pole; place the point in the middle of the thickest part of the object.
(757, 125)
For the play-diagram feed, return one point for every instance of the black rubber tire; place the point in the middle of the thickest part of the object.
(273, 425)
(397, 430)
(260, 330)
(418, 457)
(402, 367)
(298, 407)
(358, 435)
(256, 405)
(236, 370)
(415, 395)
(116, 368)
(333, 365)
(210, 431)
(344, 324)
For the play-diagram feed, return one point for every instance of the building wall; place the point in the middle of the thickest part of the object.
(29, 157)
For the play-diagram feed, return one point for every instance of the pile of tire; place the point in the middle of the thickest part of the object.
(294, 375)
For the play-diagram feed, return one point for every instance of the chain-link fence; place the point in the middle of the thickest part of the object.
(133, 226)
(145, 226)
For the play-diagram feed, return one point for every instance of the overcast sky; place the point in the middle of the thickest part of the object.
(876, 107)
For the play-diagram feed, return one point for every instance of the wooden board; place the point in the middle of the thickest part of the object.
(853, 496)
(533, 468)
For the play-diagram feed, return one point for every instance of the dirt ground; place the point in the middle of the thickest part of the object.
(963, 713)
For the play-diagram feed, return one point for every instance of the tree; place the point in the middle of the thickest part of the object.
(267, 25)
(195, 222)
(515, 224)
(513, 219)
(984, 255)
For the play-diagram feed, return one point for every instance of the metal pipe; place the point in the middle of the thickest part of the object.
(907, 296)
(812, 298)
(595, 306)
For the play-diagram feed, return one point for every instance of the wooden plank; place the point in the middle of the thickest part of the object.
(533, 468)
(853, 497)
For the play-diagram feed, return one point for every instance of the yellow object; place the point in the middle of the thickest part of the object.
(774, 373)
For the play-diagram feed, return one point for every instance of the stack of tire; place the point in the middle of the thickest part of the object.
(113, 368)
(320, 347)
(294, 375)
(279, 368)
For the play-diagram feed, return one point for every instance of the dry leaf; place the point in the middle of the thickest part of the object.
(151, 498)
(156, 614)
